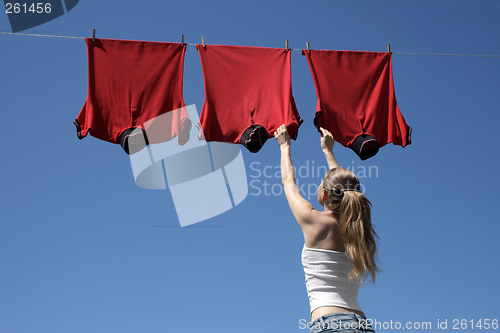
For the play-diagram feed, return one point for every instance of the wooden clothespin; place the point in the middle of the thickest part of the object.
(182, 42)
(93, 36)
(202, 41)
(308, 49)
(389, 48)
(287, 45)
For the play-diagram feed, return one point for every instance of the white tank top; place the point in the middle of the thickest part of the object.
(326, 274)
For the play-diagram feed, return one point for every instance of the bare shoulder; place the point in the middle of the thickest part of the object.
(322, 231)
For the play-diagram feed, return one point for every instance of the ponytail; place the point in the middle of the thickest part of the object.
(355, 225)
(358, 235)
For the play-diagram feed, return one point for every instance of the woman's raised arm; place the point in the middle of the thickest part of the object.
(327, 142)
(301, 208)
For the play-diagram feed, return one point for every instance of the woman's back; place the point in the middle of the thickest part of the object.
(324, 233)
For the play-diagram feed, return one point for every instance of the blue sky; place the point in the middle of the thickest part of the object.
(84, 249)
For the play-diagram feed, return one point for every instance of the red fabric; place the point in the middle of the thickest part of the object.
(356, 96)
(129, 83)
(245, 86)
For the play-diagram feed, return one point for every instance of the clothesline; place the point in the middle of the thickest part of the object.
(252, 112)
(398, 53)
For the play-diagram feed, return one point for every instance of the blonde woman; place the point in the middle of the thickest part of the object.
(340, 249)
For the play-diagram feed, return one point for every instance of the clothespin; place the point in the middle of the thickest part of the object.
(182, 42)
(93, 36)
(287, 45)
(308, 49)
(202, 41)
(389, 48)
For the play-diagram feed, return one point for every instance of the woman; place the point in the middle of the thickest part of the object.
(339, 250)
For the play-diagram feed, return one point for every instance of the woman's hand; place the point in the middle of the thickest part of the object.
(282, 137)
(327, 140)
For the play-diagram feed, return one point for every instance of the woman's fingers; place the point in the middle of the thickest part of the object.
(280, 130)
(281, 135)
(325, 132)
(327, 140)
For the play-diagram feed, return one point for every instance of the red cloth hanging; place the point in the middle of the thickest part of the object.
(129, 84)
(356, 99)
(248, 94)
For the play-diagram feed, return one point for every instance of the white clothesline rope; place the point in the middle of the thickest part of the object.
(399, 53)
(18, 34)
(449, 54)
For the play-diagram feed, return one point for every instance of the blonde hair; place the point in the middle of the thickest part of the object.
(354, 209)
